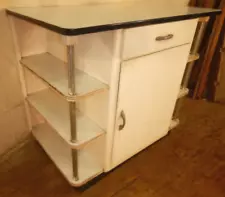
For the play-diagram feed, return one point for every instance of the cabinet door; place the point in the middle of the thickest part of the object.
(148, 90)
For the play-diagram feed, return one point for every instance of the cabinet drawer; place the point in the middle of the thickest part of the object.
(144, 40)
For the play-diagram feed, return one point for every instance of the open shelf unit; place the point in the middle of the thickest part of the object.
(90, 158)
(54, 72)
(66, 87)
(182, 93)
(194, 56)
(54, 110)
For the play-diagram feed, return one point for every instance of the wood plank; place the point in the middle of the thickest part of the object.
(219, 83)
(55, 110)
(208, 55)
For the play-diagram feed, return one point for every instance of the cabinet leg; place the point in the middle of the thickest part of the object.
(72, 109)
(75, 164)
(73, 130)
(71, 70)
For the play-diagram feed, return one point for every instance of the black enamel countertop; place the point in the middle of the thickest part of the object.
(83, 19)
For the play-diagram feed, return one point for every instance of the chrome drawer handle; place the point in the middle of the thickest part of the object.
(162, 38)
(122, 115)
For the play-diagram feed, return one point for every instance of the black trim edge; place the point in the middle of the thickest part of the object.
(108, 27)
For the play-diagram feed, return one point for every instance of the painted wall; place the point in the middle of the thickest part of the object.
(13, 125)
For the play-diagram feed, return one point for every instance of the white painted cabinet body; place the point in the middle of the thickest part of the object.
(148, 90)
(113, 70)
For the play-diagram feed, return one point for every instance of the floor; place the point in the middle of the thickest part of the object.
(189, 162)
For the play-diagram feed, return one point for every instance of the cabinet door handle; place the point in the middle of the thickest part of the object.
(123, 117)
(166, 37)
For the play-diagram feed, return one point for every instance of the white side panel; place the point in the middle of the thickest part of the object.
(55, 46)
(113, 95)
(93, 53)
(147, 94)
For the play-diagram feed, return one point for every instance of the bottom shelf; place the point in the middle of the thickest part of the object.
(90, 158)
(174, 124)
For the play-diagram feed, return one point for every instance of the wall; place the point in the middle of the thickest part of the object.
(13, 125)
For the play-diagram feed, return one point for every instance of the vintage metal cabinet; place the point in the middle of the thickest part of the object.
(101, 81)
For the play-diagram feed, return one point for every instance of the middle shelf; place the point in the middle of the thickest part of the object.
(54, 72)
(55, 111)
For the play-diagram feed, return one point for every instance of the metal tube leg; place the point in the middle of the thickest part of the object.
(75, 164)
(71, 70)
(72, 107)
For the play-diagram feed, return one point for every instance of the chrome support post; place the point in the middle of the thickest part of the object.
(72, 106)
(71, 70)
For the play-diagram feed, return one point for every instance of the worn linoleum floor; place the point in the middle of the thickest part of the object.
(189, 162)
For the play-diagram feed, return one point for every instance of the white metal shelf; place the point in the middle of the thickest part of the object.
(54, 72)
(55, 110)
(89, 161)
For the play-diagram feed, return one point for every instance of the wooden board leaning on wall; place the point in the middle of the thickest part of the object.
(204, 66)
(217, 76)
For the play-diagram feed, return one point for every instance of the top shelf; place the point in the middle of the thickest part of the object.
(54, 72)
(74, 20)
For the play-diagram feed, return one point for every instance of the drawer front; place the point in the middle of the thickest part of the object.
(145, 40)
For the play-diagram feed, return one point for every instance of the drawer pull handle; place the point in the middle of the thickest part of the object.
(162, 38)
(123, 117)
